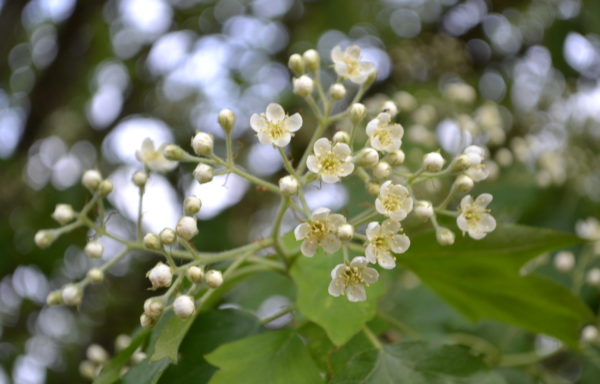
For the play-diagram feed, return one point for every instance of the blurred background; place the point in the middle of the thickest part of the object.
(83, 83)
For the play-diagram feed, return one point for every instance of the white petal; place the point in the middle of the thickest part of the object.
(322, 146)
(483, 200)
(487, 223)
(359, 261)
(313, 164)
(293, 123)
(331, 244)
(398, 215)
(301, 231)
(308, 247)
(263, 138)
(462, 223)
(336, 220)
(356, 293)
(346, 169)
(330, 179)
(386, 261)
(336, 288)
(353, 52)
(283, 140)
(275, 112)
(342, 150)
(372, 230)
(370, 275)
(372, 126)
(371, 254)
(337, 54)
(338, 270)
(476, 234)
(320, 213)
(379, 207)
(390, 226)
(465, 202)
(257, 122)
(400, 243)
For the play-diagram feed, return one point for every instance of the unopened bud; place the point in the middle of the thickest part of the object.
(226, 120)
(94, 249)
(152, 241)
(54, 298)
(95, 275)
(463, 184)
(382, 170)
(97, 354)
(345, 232)
(341, 137)
(187, 227)
(367, 157)
(140, 179)
(396, 158)
(213, 278)
(105, 188)
(192, 205)
(337, 91)
(303, 85)
(44, 238)
(461, 163)
(460, 93)
(357, 112)
(167, 236)
(203, 173)
(173, 152)
(88, 370)
(593, 277)
(184, 306)
(63, 213)
(288, 185)
(444, 236)
(390, 108)
(373, 188)
(564, 261)
(589, 333)
(71, 294)
(122, 342)
(202, 143)
(423, 210)
(154, 307)
(147, 322)
(296, 64)
(195, 274)
(433, 162)
(91, 179)
(311, 60)
(160, 276)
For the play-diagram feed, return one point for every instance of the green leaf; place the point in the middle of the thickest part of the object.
(415, 362)
(340, 318)
(210, 330)
(268, 358)
(147, 372)
(112, 371)
(481, 279)
(170, 337)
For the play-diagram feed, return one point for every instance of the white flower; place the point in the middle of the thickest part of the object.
(384, 136)
(63, 213)
(394, 201)
(274, 126)
(320, 230)
(184, 306)
(348, 65)
(160, 275)
(330, 162)
(588, 229)
(154, 158)
(351, 279)
(382, 240)
(474, 217)
(477, 168)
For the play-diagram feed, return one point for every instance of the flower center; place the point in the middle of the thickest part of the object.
(318, 228)
(380, 243)
(392, 202)
(329, 163)
(383, 135)
(275, 129)
(352, 276)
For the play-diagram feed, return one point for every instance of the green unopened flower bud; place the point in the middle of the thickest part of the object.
(226, 120)
(312, 60)
(105, 188)
(341, 137)
(95, 275)
(173, 152)
(405, 101)
(357, 112)
(45, 238)
(296, 64)
(151, 241)
(88, 370)
(167, 236)
(91, 179)
(203, 173)
(122, 342)
(139, 179)
(390, 108)
(192, 205)
(372, 77)
(195, 274)
(337, 91)
(54, 298)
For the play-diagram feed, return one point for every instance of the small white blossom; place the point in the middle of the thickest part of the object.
(433, 162)
(382, 170)
(348, 64)
(63, 213)
(202, 143)
(477, 169)
(394, 201)
(288, 185)
(154, 158)
(160, 276)
(187, 227)
(474, 217)
(444, 236)
(383, 135)
(91, 179)
(424, 209)
(593, 277)
(589, 333)
(303, 85)
(274, 126)
(97, 354)
(203, 173)
(71, 294)
(213, 278)
(195, 274)
(94, 249)
(330, 162)
(382, 240)
(350, 279)
(588, 229)
(564, 261)
(320, 231)
(184, 306)
(154, 307)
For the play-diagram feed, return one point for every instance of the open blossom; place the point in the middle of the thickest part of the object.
(274, 126)
(320, 230)
(394, 201)
(330, 162)
(351, 279)
(154, 158)
(347, 63)
(475, 218)
(382, 240)
(383, 135)
(477, 169)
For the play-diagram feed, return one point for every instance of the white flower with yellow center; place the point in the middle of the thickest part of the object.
(474, 217)
(154, 158)
(382, 240)
(384, 136)
(350, 279)
(330, 162)
(394, 201)
(274, 126)
(320, 230)
(347, 63)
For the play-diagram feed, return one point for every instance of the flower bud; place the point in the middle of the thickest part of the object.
(160, 275)
(357, 112)
(564, 261)
(390, 107)
(167, 236)
(589, 333)
(405, 101)
(71, 294)
(311, 60)
(593, 277)
(95, 275)
(337, 91)
(504, 157)
(345, 232)
(367, 157)
(151, 241)
(63, 213)
(396, 158)
(105, 188)
(460, 93)
(184, 306)
(433, 162)
(296, 64)
(88, 370)
(173, 152)
(147, 321)
(203, 173)
(122, 342)
(213, 278)
(195, 274)
(226, 120)
(139, 179)
(187, 227)
(45, 238)
(96, 354)
(382, 170)
(288, 185)
(202, 144)
(461, 163)
(91, 179)
(192, 205)
(54, 298)
(154, 307)
(341, 137)
(303, 85)
(373, 188)
(424, 210)
(94, 249)
(444, 236)
(463, 183)
(137, 357)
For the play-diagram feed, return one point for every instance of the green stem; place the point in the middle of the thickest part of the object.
(279, 247)
(372, 337)
(277, 315)
(140, 213)
(253, 179)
